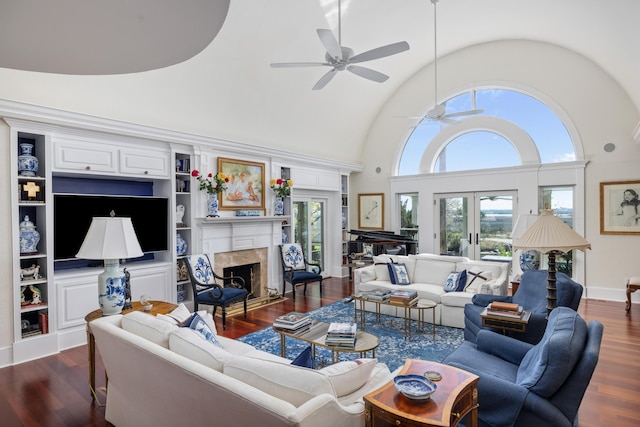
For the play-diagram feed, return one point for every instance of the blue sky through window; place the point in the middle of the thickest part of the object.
(468, 151)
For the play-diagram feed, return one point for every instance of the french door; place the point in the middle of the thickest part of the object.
(309, 227)
(475, 225)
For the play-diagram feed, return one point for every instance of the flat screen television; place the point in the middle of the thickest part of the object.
(73, 213)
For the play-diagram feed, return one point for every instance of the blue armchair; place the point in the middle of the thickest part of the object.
(532, 296)
(296, 269)
(206, 289)
(533, 385)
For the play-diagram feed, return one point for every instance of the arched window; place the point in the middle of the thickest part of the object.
(513, 129)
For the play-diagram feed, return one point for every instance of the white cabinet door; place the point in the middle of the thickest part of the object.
(147, 163)
(84, 157)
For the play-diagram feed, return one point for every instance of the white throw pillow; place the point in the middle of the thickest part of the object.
(188, 343)
(181, 314)
(149, 327)
(347, 377)
(475, 279)
(380, 265)
(290, 383)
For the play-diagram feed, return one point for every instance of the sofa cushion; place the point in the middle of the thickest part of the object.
(347, 377)
(546, 366)
(290, 383)
(456, 281)
(189, 343)
(398, 274)
(432, 271)
(148, 327)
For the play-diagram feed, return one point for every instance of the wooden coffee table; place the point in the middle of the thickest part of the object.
(455, 399)
(317, 334)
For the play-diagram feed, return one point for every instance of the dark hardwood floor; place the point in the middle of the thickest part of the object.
(53, 391)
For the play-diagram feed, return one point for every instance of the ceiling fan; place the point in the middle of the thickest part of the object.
(439, 112)
(341, 58)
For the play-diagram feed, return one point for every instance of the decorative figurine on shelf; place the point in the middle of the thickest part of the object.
(179, 216)
(30, 273)
(29, 237)
(213, 185)
(36, 295)
(127, 290)
(282, 189)
(27, 163)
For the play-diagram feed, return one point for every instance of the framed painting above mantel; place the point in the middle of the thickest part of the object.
(620, 207)
(245, 189)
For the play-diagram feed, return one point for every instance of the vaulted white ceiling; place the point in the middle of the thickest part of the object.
(229, 91)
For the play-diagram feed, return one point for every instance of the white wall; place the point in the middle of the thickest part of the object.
(591, 103)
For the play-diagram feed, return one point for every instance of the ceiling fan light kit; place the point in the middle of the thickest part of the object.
(341, 58)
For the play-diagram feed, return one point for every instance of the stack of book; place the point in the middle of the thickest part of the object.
(293, 322)
(403, 297)
(505, 309)
(378, 295)
(341, 335)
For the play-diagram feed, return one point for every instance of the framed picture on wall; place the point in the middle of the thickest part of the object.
(371, 211)
(245, 189)
(620, 207)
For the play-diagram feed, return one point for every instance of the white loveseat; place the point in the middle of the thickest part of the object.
(427, 275)
(164, 375)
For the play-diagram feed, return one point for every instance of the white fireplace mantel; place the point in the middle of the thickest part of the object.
(238, 233)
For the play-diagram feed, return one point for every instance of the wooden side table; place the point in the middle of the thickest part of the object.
(455, 399)
(159, 307)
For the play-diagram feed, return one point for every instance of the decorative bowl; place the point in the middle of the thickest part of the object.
(415, 387)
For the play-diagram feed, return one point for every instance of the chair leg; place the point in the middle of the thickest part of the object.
(320, 288)
(293, 291)
(224, 318)
(245, 308)
(215, 307)
(304, 292)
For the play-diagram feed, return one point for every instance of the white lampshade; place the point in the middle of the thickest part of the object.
(548, 233)
(523, 223)
(110, 238)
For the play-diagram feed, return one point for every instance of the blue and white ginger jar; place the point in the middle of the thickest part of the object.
(29, 237)
(181, 245)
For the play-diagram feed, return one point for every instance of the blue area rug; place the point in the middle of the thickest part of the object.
(393, 349)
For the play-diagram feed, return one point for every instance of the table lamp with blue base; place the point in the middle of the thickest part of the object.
(111, 239)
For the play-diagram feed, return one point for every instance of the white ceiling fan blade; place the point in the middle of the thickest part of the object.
(444, 119)
(330, 43)
(298, 64)
(464, 113)
(325, 79)
(380, 52)
(368, 73)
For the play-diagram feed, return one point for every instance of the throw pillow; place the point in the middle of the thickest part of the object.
(398, 274)
(347, 377)
(456, 281)
(181, 316)
(199, 325)
(189, 343)
(380, 265)
(476, 277)
(304, 359)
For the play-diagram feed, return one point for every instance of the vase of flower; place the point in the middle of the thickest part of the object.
(27, 162)
(212, 205)
(279, 207)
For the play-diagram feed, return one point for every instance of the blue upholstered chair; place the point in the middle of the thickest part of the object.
(296, 269)
(533, 385)
(532, 296)
(206, 289)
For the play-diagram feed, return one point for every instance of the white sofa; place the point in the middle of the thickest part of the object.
(427, 275)
(161, 374)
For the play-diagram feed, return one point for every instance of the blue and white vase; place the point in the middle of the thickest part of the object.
(29, 237)
(285, 237)
(529, 260)
(279, 206)
(27, 163)
(111, 288)
(212, 205)
(180, 293)
(181, 245)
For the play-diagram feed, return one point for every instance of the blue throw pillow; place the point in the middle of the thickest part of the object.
(398, 274)
(304, 359)
(456, 281)
(199, 325)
